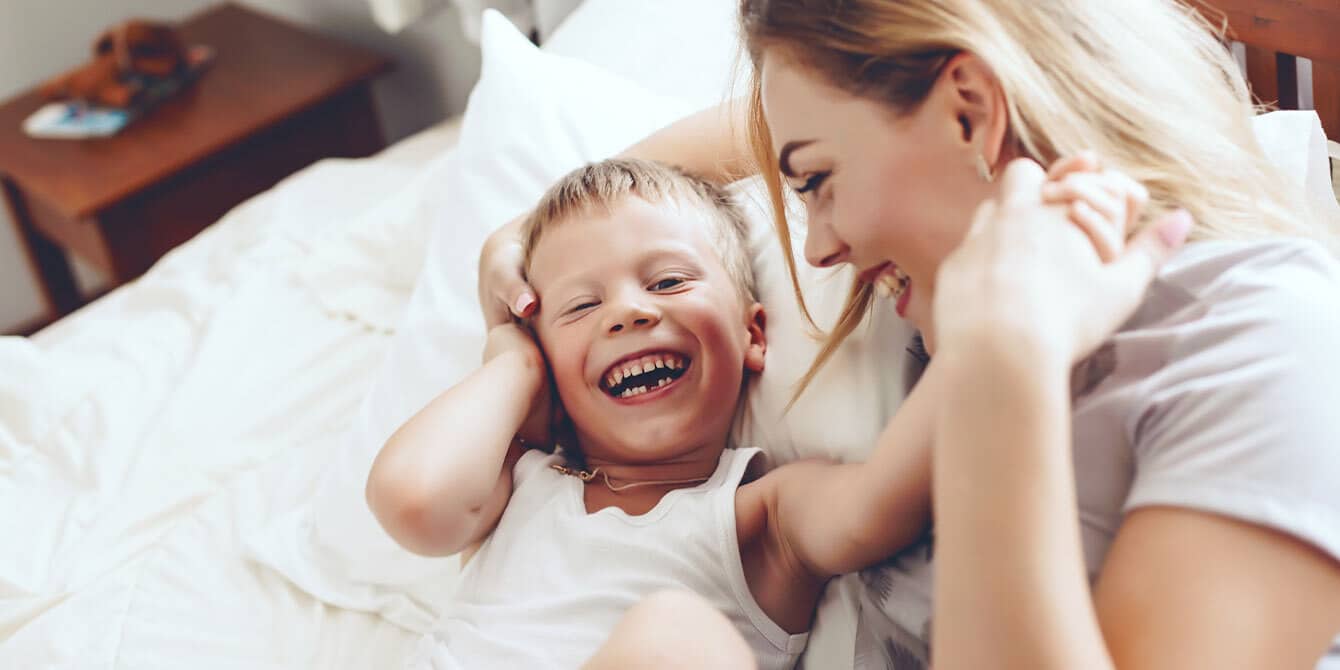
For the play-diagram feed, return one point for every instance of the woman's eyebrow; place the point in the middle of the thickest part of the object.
(784, 160)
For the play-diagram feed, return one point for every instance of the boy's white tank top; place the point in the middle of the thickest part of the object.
(551, 582)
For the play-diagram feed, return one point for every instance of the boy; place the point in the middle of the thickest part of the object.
(648, 328)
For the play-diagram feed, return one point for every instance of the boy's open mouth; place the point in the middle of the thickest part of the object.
(644, 372)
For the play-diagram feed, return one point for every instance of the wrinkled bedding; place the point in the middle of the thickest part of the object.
(143, 437)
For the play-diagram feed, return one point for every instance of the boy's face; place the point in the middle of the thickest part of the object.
(645, 331)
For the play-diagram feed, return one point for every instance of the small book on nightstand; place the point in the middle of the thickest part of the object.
(76, 119)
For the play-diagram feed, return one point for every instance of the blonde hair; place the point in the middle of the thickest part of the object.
(598, 186)
(1147, 84)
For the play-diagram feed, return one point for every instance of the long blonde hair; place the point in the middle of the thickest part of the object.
(1147, 84)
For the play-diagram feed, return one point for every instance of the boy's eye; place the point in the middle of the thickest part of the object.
(667, 284)
(813, 182)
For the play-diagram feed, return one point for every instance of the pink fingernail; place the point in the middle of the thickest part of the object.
(1174, 230)
(523, 302)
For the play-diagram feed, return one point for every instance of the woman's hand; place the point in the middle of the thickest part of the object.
(503, 291)
(1036, 282)
(1103, 203)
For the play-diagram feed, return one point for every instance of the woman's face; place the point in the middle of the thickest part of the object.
(881, 191)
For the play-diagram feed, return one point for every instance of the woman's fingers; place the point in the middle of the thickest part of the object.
(1021, 182)
(503, 293)
(1137, 196)
(1131, 273)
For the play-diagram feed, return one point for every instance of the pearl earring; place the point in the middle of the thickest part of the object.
(984, 170)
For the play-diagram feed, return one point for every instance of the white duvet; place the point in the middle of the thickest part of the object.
(142, 437)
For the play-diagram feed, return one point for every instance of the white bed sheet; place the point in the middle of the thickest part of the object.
(143, 436)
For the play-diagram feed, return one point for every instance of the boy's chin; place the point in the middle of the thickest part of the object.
(649, 444)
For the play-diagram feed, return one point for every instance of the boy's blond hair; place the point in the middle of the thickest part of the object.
(601, 185)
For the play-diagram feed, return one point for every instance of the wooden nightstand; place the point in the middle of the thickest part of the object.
(276, 98)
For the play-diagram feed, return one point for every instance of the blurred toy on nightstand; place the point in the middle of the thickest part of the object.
(135, 66)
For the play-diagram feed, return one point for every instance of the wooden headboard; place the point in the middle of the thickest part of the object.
(1277, 33)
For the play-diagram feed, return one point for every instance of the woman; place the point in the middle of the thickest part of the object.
(1196, 446)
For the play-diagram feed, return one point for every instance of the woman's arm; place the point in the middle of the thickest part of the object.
(1010, 588)
(1179, 588)
(1182, 588)
(440, 482)
(712, 143)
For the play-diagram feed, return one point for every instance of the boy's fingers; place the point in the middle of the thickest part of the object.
(1105, 238)
(1085, 161)
(1093, 193)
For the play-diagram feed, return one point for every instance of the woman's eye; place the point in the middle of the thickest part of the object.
(667, 284)
(813, 182)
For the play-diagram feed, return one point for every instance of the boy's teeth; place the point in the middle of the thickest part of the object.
(642, 366)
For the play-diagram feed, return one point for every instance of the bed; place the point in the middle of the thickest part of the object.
(145, 438)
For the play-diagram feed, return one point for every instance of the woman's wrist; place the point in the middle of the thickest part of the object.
(1023, 356)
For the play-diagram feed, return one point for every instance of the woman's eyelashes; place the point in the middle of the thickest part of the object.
(813, 182)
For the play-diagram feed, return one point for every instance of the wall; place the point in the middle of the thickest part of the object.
(435, 69)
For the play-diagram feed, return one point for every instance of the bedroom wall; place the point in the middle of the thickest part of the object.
(435, 69)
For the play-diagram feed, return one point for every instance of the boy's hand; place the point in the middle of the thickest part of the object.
(1105, 204)
(512, 337)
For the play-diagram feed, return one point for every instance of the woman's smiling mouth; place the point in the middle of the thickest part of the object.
(888, 279)
(644, 373)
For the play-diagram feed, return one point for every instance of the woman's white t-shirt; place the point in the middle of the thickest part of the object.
(1221, 394)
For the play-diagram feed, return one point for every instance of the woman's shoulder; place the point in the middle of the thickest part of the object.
(1274, 287)
(1226, 378)
(1225, 270)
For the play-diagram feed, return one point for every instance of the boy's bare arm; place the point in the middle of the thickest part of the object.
(837, 518)
(442, 480)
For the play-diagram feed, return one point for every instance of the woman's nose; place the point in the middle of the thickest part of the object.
(823, 248)
(632, 316)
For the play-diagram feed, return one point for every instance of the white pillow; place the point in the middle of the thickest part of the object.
(683, 49)
(532, 118)
(1295, 143)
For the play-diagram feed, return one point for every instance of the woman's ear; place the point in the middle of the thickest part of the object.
(755, 354)
(977, 102)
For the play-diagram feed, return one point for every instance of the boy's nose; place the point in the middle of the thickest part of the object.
(633, 317)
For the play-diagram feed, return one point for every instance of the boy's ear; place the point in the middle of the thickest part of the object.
(758, 340)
